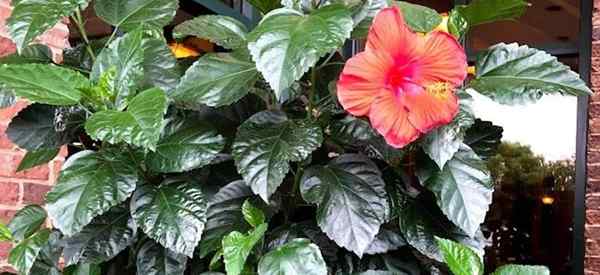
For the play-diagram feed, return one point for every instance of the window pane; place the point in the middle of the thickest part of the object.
(545, 22)
(531, 217)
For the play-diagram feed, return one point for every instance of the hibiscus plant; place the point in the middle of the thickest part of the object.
(283, 152)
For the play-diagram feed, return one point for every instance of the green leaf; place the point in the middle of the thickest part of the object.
(266, 143)
(265, 6)
(460, 258)
(31, 18)
(125, 55)
(41, 126)
(139, 125)
(513, 74)
(83, 269)
(484, 138)
(443, 142)
(153, 259)
(160, 65)
(5, 233)
(224, 215)
(485, 11)
(90, 184)
(369, 9)
(463, 190)
(419, 18)
(42, 83)
(131, 14)
(215, 80)
(457, 24)
(189, 147)
(35, 53)
(24, 254)
(224, 31)
(513, 269)
(287, 43)
(252, 214)
(7, 98)
(351, 199)
(299, 256)
(172, 214)
(26, 221)
(37, 157)
(33, 129)
(385, 241)
(102, 239)
(47, 261)
(237, 247)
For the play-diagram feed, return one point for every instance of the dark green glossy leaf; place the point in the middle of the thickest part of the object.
(485, 11)
(351, 199)
(367, 13)
(460, 258)
(265, 6)
(24, 254)
(5, 233)
(37, 157)
(237, 247)
(7, 98)
(443, 142)
(287, 43)
(252, 214)
(224, 215)
(463, 190)
(139, 125)
(385, 241)
(216, 79)
(83, 269)
(125, 55)
(419, 18)
(512, 269)
(299, 256)
(33, 129)
(224, 31)
(53, 85)
(102, 239)
(513, 74)
(131, 14)
(35, 53)
(484, 138)
(27, 221)
(31, 18)
(90, 184)
(153, 259)
(457, 24)
(185, 149)
(172, 214)
(266, 143)
(78, 56)
(160, 65)
(47, 261)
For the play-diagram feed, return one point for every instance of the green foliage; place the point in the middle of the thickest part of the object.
(513, 74)
(239, 162)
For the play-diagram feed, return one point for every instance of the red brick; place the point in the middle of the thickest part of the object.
(6, 215)
(35, 193)
(10, 162)
(592, 263)
(6, 114)
(4, 249)
(5, 142)
(9, 193)
(592, 202)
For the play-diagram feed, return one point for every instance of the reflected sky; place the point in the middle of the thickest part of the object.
(548, 126)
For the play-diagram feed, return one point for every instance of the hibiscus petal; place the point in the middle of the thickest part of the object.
(390, 119)
(428, 109)
(361, 80)
(390, 33)
(443, 59)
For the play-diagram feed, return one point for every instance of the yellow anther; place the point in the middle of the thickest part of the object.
(471, 70)
(182, 51)
(443, 26)
(440, 90)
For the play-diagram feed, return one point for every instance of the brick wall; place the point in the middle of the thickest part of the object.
(26, 187)
(592, 224)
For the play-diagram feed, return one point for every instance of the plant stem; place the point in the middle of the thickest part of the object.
(311, 92)
(81, 27)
